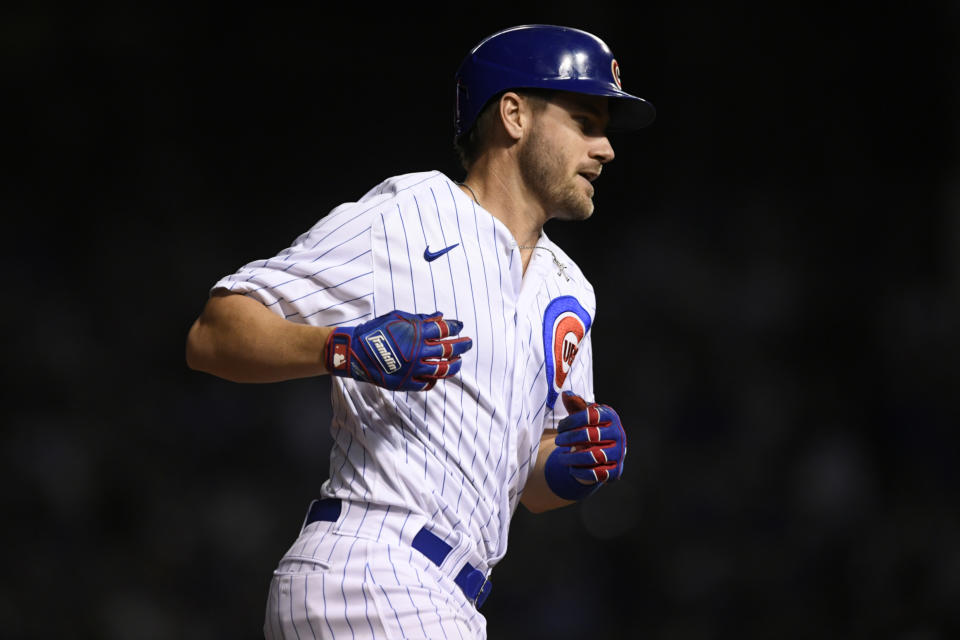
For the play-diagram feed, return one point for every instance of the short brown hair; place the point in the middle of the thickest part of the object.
(470, 145)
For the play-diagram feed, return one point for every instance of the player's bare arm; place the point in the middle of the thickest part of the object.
(239, 339)
(537, 496)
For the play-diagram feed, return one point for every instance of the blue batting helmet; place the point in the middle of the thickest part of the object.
(541, 56)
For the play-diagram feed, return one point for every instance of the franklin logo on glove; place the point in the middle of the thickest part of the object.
(399, 350)
(385, 355)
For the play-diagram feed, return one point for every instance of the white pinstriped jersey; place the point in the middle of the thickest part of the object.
(459, 454)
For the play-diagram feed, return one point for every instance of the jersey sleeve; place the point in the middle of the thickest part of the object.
(325, 278)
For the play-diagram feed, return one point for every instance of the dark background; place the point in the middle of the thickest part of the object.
(777, 271)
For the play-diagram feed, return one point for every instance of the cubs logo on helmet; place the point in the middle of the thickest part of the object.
(565, 323)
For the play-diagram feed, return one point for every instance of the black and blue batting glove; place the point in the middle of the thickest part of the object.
(399, 350)
(591, 446)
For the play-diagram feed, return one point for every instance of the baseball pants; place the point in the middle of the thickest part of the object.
(358, 573)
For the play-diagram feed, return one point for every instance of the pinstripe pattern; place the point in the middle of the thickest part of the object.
(359, 578)
(456, 456)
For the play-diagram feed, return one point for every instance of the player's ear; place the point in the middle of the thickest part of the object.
(512, 115)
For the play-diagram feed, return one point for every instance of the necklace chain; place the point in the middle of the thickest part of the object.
(475, 199)
(561, 268)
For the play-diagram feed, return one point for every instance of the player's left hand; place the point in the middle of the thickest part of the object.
(591, 447)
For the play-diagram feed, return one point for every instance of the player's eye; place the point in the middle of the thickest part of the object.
(589, 125)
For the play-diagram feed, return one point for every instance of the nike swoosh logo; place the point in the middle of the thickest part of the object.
(430, 256)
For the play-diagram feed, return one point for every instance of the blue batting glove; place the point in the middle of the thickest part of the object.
(399, 350)
(591, 446)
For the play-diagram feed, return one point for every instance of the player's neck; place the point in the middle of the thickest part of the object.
(504, 195)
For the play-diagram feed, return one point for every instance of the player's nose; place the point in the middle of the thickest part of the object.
(602, 150)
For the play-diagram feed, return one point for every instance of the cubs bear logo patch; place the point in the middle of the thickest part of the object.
(565, 323)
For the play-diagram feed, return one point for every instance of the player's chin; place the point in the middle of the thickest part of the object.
(575, 215)
(574, 203)
(579, 209)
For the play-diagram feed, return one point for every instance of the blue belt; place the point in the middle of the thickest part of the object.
(471, 580)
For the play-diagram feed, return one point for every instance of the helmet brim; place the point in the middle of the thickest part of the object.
(629, 113)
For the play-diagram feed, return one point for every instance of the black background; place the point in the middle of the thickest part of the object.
(776, 265)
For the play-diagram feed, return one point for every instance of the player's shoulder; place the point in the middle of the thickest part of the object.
(382, 200)
(405, 192)
(407, 183)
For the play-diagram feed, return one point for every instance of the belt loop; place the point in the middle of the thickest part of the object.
(306, 517)
(327, 509)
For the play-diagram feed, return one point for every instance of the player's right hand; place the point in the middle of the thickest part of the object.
(399, 350)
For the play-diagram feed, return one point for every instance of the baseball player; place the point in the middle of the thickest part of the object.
(458, 338)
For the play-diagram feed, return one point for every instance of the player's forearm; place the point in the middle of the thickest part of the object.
(238, 339)
(537, 496)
